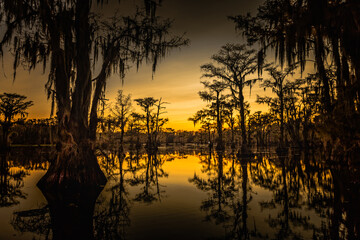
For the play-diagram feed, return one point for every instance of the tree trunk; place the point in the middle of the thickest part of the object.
(75, 163)
(350, 95)
(242, 118)
(220, 145)
(122, 134)
(319, 52)
(232, 136)
(285, 191)
(100, 83)
(149, 133)
(220, 180)
(209, 135)
(82, 93)
(340, 86)
(281, 118)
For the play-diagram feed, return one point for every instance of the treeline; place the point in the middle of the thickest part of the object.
(120, 119)
(119, 125)
(319, 108)
(294, 104)
(115, 121)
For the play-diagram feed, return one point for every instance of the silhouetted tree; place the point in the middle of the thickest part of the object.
(233, 64)
(261, 124)
(135, 128)
(13, 109)
(215, 96)
(158, 121)
(206, 117)
(230, 119)
(152, 109)
(325, 32)
(277, 84)
(121, 112)
(66, 34)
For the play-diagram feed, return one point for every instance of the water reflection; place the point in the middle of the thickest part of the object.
(113, 217)
(142, 171)
(11, 182)
(307, 200)
(267, 196)
(229, 191)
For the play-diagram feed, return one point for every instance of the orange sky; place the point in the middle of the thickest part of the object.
(177, 79)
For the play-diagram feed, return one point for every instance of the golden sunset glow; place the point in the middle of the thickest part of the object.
(177, 78)
(179, 119)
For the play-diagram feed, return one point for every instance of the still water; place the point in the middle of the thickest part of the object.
(188, 194)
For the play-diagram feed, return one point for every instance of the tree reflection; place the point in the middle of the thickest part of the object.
(68, 215)
(113, 218)
(219, 186)
(345, 217)
(11, 182)
(35, 220)
(305, 191)
(307, 198)
(149, 172)
(286, 195)
(229, 193)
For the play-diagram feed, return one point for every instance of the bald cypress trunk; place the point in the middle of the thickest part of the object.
(75, 162)
(242, 119)
(281, 117)
(319, 57)
(220, 144)
(82, 92)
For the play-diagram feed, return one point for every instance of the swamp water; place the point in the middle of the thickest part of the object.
(190, 194)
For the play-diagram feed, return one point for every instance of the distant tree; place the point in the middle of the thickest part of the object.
(153, 109)
(293, 113)
(158, 121)
(216, 98)
(147, 105)
(121, 112)
(35, 131)
(261, 123)
(233, 64)
(285, 105)
(206, 118)
(170, 135)
(277, 83)
(230, 119)
(13, 108)
(108, 124)
(311, 108)
(135, 128)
